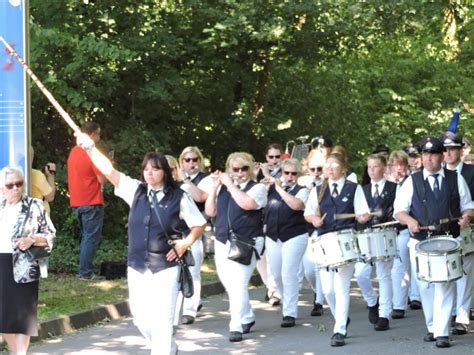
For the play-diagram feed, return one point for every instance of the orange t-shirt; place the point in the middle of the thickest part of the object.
(84, 186)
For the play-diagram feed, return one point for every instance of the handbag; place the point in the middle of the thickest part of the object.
(240, 251)
(185, 279)
(34, 253)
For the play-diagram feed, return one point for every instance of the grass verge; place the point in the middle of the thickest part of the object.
(61, 294)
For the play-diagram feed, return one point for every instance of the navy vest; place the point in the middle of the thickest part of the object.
(246, 224)
(343, 203)
(383, 203)
(147, 242)
(283, 222)
(467, 173)
(428, 211)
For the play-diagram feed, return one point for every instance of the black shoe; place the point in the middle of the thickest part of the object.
(374, 313)
(317, 310)
(382, 324)
(274, 301)
(442, 342)
(187, 320)
(235, 337)
(429, 337)
(91, 277)
(460, 329)
(398, 314)
(337, 340)
(415, 304)
(246, 327)
(288, 322)
(199, 307)
(453, 321)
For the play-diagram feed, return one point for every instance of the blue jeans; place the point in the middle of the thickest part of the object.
(90, 220)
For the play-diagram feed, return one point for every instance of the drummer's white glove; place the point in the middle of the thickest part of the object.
(84, 141)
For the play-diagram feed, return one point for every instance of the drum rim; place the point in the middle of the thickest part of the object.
(378, 229)
(426, 241)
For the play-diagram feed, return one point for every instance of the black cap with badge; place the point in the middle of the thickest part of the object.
(451, 140)
(412, 149)
(432, 145)
(321, 141)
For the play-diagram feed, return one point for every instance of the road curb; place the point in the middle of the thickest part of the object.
(69, 324)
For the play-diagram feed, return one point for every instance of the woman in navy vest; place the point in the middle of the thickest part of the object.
(194, 182)
(152, 268)
(287, 235)
(237, 202)
(380, 195)
(336, 195)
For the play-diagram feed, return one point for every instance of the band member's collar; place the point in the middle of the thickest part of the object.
(426, 173)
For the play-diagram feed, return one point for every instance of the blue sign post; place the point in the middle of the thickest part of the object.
(14, 87)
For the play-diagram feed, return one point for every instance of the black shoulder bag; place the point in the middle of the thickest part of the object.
(240, 251)
(186, 285)
(34, 253)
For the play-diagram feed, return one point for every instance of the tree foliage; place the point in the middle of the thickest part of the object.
(229, 75)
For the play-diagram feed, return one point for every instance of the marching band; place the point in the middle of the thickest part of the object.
(410, 223)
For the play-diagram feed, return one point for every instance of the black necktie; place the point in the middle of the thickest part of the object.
(376, 193)
(436, 190)
(334, 191)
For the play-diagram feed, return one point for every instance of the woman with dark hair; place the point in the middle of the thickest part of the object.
(157, 205)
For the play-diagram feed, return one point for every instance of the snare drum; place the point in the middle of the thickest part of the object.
(378, 244)
(466, 238)
(438, 259)
(335, 249)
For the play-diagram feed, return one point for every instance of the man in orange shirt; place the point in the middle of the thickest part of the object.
(87, 202)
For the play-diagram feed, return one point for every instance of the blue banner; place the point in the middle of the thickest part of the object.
(13, 86)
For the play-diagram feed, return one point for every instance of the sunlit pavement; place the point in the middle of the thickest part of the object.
(311, 335)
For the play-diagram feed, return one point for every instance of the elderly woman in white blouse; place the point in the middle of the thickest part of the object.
(24, 223)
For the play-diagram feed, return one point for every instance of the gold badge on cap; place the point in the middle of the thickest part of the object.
(429, 145)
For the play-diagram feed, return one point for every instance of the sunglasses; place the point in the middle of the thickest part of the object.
(292, 173)
(273, 156)
(243, 169)
(194, 160)
(319, 169)
(18, 184)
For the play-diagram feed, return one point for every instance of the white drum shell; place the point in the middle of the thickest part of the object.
(335, 249)
(378, 244)
(466, 239)
(439, 265)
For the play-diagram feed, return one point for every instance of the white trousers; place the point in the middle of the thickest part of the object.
(463, 291)
(153, 303)
(437, 299)
(235, 277)
(401, 272)
(267, 278)
(336, 288)
(284, 260)
(383, 270)
(311, 272)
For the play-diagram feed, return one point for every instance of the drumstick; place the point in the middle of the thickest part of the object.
(353, 215)
(43, 89)
(386, 224)
(324, 216)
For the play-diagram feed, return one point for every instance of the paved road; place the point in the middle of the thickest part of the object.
(208, 335)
